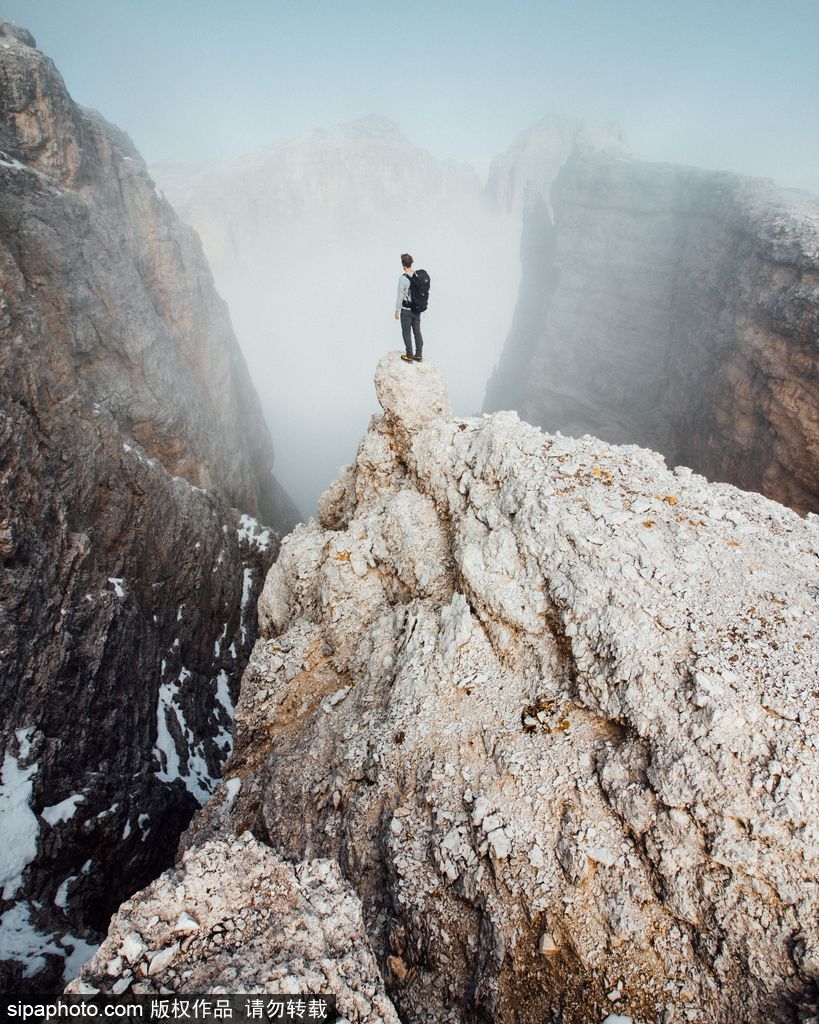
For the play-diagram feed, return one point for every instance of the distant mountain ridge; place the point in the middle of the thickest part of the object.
(345, 177)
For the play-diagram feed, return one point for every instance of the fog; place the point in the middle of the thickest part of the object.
(236, 108)
(304, 241)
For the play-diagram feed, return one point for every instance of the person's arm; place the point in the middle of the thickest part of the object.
(399, 300)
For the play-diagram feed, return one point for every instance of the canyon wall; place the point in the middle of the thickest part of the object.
(674, 308)
(553, 710)
(135, 471)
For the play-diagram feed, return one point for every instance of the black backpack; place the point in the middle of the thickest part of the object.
(419, 291)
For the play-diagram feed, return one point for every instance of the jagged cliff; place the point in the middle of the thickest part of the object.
(130, 435)
(673, 308)
(553, 709)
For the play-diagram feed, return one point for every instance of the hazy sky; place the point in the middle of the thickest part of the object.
(722, 83)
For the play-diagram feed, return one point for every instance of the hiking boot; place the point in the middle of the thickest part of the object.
(406, 358)
(418, 359)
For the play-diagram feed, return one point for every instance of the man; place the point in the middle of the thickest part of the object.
(404, 311)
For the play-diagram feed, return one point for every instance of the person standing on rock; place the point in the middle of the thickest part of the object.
(410, 303)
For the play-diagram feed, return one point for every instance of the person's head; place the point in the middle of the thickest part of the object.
(406, 261)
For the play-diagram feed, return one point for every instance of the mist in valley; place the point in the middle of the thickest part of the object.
(259, 130)
(304, 240)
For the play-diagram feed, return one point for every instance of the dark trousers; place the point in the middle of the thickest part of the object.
(413, 320)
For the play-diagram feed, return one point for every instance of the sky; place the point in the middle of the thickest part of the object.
(728, 84)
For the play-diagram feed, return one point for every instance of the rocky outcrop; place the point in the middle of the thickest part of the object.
(234, 917)
(673, 308)
(553, 709)
(130, 434)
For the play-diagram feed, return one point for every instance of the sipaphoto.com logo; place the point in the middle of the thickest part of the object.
(255, 1008)
(63, 1008)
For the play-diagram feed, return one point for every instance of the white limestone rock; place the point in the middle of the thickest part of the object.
(262, 925)
(412, 395)
(590, 705)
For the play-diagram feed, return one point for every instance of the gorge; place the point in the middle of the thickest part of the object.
(527, 723)
(672, 307)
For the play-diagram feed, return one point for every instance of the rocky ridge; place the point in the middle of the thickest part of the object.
(553, 709)
(135, 482)
(233, 915)
(671, 307)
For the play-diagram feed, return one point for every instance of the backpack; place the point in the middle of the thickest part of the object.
(419, 291)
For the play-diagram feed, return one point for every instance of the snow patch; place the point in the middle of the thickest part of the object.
(79, 952)
(232, 787)
(18, 823)
(135, 451)
(250, 531)
(196, 776)
(61, 899)
(62, 811)
(117, 584)
(224, 738)
(223, 693)
(217, 644)
(21, 940)
(10, 161)
(247, 583)
(165, 747)
(24, 741)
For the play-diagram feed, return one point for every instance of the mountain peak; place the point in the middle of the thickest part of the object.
(9, 30)
(376, 124)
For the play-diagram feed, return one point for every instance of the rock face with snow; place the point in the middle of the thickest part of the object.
(232, 916)
(130, 434)
(673, 308)
(553, 708)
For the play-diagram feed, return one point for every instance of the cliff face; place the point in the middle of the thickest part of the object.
(553, 709)
(677, 309)
(527, 170)
(129, 436)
